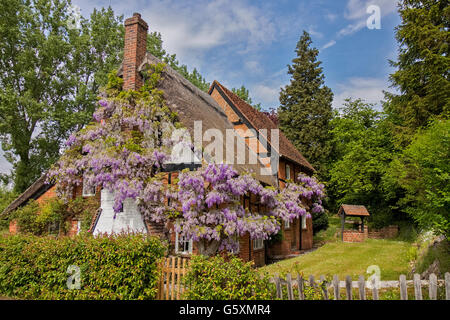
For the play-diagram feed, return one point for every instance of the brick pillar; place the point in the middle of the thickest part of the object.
(134, 51)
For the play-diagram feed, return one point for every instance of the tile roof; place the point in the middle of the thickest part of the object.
(354, 210)
(261, 121)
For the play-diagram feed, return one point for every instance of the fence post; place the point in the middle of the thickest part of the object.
(447, 286)
(336, 287)
(311, 281)
(290, 293)
(348, 287)
(433, 286)
(362, 288)
(375, 288)
(417, 287)
(403, 288)
(301, 294)
(278, 285)
(324, 285)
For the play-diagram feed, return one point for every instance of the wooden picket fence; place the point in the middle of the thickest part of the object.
(172, 271)
(298, 284)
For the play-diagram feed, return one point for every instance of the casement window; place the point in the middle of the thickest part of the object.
(288, 172)
(182, 244)
(304, 222)
(88, 191)
(53, 228)
(258, 244)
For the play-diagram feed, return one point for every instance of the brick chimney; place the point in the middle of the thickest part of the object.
(134, 51)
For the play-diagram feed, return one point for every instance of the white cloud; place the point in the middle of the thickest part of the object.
(368, 89)
(329, 44)
(356, 11)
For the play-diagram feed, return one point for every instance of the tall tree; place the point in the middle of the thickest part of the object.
(362, 151)
(50, 77)
(423, 64)
(305, 106)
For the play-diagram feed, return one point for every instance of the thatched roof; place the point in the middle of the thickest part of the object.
(192, 104)
(33, 192)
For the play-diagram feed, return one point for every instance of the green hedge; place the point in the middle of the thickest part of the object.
(114, 267)
(217, 279)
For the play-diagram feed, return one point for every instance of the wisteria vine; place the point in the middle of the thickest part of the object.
(124, 150)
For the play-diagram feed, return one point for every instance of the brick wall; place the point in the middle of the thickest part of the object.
(355, 235)
(384, 233)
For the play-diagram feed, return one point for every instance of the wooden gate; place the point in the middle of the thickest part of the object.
(172, 272)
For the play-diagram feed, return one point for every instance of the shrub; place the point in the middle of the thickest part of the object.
(319, 221)
(111, 267)
(218, 279)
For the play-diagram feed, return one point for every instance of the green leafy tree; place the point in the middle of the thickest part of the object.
(423, 171)
(423, 64)
(305, 106)
(50, 77)
(362, 151)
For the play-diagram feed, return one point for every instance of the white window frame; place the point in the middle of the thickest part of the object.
(78, 226)
(304, 226)
(288, 172)
(287, 224)
(86, 192)
(177, 249)
(258, 244)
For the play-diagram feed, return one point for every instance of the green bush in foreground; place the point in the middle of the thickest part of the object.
(218, 279)
(110, 267)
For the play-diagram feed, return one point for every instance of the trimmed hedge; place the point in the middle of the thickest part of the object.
(111, 267)
(217, 279)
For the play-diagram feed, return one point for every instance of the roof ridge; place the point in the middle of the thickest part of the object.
(233, 96)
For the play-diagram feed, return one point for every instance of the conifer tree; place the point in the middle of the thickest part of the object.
(423, 63)
(305, 106)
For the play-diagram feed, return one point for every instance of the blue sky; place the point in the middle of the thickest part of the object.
(251, 42)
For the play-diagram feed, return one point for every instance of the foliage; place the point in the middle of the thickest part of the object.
(6, 197)
(422, 170)
(362, 152)
(41, 219)
(422, 67)
(305, 106)
(116, 267)
(319, 221)
(50, 78)
(218, 279)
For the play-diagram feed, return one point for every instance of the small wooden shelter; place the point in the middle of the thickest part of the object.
(348, 210)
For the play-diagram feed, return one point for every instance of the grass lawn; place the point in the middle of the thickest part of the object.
(348, 259)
